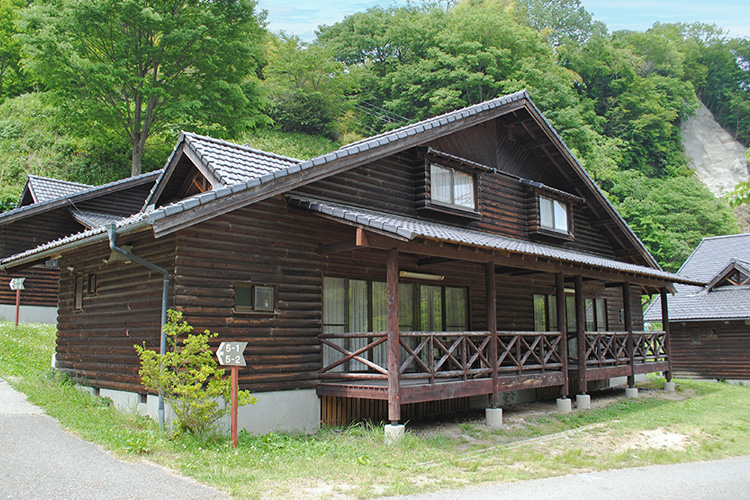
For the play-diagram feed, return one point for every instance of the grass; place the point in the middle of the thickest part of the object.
(702, 421)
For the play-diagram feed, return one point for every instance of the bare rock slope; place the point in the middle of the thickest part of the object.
(718, 159)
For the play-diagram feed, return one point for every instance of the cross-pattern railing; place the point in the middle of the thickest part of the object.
(605, 349)
(440, 355)
(650, 347)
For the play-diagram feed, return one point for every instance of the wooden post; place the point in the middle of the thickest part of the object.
(18, 305)
(394, 398)
(235, 370)
(562, 327)
(627, 318)
(667, 333)
(581, 335)
(491, 291)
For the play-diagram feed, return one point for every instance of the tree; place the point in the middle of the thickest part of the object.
(12, 81)
(138, 67)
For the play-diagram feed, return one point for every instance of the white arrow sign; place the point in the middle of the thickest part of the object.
(16, 284)
(230, 354)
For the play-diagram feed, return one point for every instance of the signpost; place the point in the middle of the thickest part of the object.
(17, 285)
(230, 354)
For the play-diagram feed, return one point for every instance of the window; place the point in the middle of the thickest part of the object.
(545, 313)
(452, 187)
(92, 284)
(553, 215)
(254, 298)
(78, 293)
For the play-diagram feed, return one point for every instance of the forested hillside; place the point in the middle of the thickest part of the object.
(617, 98)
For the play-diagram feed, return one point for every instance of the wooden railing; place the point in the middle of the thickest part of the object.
(440, 355)
(604, 349)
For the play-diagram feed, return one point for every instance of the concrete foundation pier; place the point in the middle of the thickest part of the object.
(394, 433)
(631, 392)
(669, 386)
(493, 417)
(583, 401)
(564, 405)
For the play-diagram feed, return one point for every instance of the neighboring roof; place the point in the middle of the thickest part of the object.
(410, 228)
(255, 175)
(70, 200)
(224, 163)
(40, 189)
(93, 219)
(711, 259)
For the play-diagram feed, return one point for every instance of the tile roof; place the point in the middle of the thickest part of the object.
(91, 192)
(711, 257)
(93, 219)
(416, 228)
(44, 188)
(232, 163)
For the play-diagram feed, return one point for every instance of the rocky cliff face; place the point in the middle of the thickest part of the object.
(718, 159)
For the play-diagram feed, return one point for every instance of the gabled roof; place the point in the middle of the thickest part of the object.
(241, 176)
(734, 266)
(712, 259)
(40, 189)
(71, 199)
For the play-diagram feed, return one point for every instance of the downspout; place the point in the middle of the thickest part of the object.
(164, 300)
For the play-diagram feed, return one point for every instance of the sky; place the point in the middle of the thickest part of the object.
(302, 17)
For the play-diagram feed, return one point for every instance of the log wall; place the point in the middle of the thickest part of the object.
(40, 287)
(95, 344)
(711, 349)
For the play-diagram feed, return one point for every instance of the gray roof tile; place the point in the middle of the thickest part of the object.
(44, 188)
(691, 303)
(413, 228)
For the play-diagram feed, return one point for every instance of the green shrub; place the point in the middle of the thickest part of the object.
(189, 377)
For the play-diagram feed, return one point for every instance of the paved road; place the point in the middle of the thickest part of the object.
(40, 460)
(727, 479)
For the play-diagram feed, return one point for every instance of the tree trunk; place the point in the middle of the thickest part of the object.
(137, 157)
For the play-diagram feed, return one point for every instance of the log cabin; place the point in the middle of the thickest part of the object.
(49, 209)
(417, 271)
(710, 325)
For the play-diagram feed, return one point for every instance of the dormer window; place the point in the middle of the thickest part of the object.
(452, 187)
(553, 215)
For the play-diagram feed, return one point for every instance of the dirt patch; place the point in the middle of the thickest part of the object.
(659, 439)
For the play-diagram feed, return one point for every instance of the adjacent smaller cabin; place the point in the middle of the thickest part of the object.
(50, 209)
(710, 325)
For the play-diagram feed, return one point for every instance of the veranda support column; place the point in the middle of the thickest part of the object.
(667, 333)
(627, 318)
(489, 273)
(581, 336)
(394, 399)
(562, 326)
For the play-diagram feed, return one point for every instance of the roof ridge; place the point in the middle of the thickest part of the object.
(245, 147)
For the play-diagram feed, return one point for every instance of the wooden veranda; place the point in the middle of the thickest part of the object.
(416, 367)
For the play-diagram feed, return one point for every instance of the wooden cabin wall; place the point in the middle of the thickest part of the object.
(40, 287)
(711, 349)
(396, 184)
(124, 202)
(28, 233)
(95, 344)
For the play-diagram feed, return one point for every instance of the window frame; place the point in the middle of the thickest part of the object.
(454, 172)
(253, 309)
(78, 292)
(555, 203)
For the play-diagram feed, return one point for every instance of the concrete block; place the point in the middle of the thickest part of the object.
(493, 417)
(669, 386)
(631, 392)
(394, 433)
(564, 405)
(583, 401)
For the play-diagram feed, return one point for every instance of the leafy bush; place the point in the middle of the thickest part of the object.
(189, 377)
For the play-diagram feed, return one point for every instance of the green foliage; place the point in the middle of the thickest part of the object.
(671, 215)
(12, 79)
(188, 377)
(291, 144)
(306, 86)
(137, 67)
